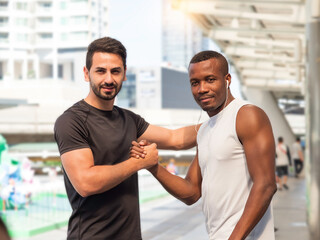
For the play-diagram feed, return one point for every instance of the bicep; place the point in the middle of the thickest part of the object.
(255, 132)
(76, 163)
(159, 135)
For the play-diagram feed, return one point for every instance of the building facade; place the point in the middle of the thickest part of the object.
(42, 39)
(181, 38)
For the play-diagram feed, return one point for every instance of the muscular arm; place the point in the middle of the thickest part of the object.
(89, 179)
(187, 190)
(255, 132)
(182, 138)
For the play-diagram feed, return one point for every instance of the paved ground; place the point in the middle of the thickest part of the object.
(168, 219)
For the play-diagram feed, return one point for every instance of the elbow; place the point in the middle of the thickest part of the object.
(83, 193)
(84, 190)
(270, 189)
(191, 200)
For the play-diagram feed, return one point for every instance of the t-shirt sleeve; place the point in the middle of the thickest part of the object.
(141, 124)
(70, 133)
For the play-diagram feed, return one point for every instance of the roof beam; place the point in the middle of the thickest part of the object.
(209, 8)
(233, 36)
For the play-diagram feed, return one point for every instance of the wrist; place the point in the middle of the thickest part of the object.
(154, 169)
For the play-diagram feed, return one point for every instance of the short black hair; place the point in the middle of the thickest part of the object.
(280, 139)
(209, 54)
(107, 45)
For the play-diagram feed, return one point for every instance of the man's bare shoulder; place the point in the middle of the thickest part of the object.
(251, 119)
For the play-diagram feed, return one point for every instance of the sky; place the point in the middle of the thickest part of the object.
(137, 24)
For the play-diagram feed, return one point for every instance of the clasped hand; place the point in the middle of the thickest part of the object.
(147, 152)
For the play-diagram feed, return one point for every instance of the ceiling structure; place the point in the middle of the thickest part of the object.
(263, 39)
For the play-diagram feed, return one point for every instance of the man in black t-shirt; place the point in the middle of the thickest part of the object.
(94, 138)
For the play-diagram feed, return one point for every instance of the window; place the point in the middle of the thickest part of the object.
(63, 5)
(79, 20)
(4, 37)
(21, 5)
(21, 21)
(64, 21)
(45, 20)
(64, 36)
(45, 4)
(22, 37)
(3, 21)
(3, 4)
(45, 35)
(80, 36)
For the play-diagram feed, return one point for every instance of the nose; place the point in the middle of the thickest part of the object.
(202, 87)
(108, 78)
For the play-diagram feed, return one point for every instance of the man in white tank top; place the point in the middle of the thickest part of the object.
(234, 168)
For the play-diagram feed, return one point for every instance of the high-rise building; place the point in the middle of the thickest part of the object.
(181, 38)
(45, 39)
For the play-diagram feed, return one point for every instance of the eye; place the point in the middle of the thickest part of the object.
(115, 71)
(194, 83)
(210, 80)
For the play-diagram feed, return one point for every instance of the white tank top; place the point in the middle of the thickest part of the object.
(226, 182)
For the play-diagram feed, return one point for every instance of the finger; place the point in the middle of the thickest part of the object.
(137, 149)
(137, 152)
(144, 143)
(134, 143)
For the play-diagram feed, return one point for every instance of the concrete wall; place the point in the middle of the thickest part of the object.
(176, 91)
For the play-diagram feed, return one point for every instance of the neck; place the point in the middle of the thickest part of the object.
(223, 106)
(105, 105)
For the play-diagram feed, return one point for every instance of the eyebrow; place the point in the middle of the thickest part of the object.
(102, 68)
(117, 68)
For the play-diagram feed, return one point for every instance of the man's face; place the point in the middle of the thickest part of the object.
(208, 85)
(106, 75)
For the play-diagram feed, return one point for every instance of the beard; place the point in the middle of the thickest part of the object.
(105, 95)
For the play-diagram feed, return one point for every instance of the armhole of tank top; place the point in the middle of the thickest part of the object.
(235, 121)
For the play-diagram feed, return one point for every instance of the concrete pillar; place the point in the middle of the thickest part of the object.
(268, 103)
(313, 116)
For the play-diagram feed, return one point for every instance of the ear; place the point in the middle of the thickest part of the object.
(125, 74)
(228, 79)
(86, 74)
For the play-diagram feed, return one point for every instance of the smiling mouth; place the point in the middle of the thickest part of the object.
(108, 89)
(204, 99)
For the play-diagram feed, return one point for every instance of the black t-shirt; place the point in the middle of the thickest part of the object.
(113, 214)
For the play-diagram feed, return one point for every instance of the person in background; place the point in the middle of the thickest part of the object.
(282, 163)
(297, 156)
(171, 167)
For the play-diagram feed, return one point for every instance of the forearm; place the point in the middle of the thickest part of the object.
(178, 187)
(258, 202)
(100, 178)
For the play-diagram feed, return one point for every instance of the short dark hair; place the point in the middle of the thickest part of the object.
(206, 55)
(298, 139)
(280, 139)
(107, 45)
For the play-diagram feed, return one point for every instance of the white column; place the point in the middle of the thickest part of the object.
(313, 117)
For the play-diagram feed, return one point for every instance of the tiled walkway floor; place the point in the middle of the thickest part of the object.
(166, 218)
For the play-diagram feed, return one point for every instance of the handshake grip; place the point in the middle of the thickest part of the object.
(147, 153)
